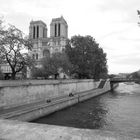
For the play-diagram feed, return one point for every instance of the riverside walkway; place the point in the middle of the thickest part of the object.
(26, 108)
(16, 130)
(8, 113)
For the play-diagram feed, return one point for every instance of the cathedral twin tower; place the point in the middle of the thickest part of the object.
(44, 45)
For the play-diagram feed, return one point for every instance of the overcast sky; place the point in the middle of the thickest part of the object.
(113, 24)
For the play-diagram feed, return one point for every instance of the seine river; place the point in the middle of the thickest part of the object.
(117, 111)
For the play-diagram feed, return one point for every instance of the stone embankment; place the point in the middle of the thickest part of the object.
(30, 100)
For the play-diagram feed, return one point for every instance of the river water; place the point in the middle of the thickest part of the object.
(117, 111)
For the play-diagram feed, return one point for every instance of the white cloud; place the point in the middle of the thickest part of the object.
(113, 23)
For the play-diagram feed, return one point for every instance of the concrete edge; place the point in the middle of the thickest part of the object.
(15, 130)
(14, 83)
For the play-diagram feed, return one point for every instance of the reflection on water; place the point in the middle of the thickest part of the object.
(118, 111)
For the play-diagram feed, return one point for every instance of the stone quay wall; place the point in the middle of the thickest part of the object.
(21, 92)
(30, 100)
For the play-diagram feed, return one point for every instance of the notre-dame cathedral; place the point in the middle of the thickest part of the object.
(44, 45)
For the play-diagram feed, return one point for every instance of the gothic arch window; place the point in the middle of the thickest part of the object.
(63, 49)
(36, 55)
(55, 29)
(59, 26)
(34, 32)
(33, 56)
(46, 53)
(37, 31)
(44, 33)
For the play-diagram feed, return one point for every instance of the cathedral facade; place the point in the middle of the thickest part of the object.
(44, 45)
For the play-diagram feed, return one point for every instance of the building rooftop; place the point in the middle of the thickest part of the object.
(38, 22)
(59, 19)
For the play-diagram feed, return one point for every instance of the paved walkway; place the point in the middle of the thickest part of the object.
(22, 107)
(6, 112)
(16, 130)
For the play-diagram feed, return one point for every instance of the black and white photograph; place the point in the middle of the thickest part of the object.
(69, 69)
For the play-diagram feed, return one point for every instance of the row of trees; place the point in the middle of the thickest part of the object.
(82, 58)
(51, 65)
